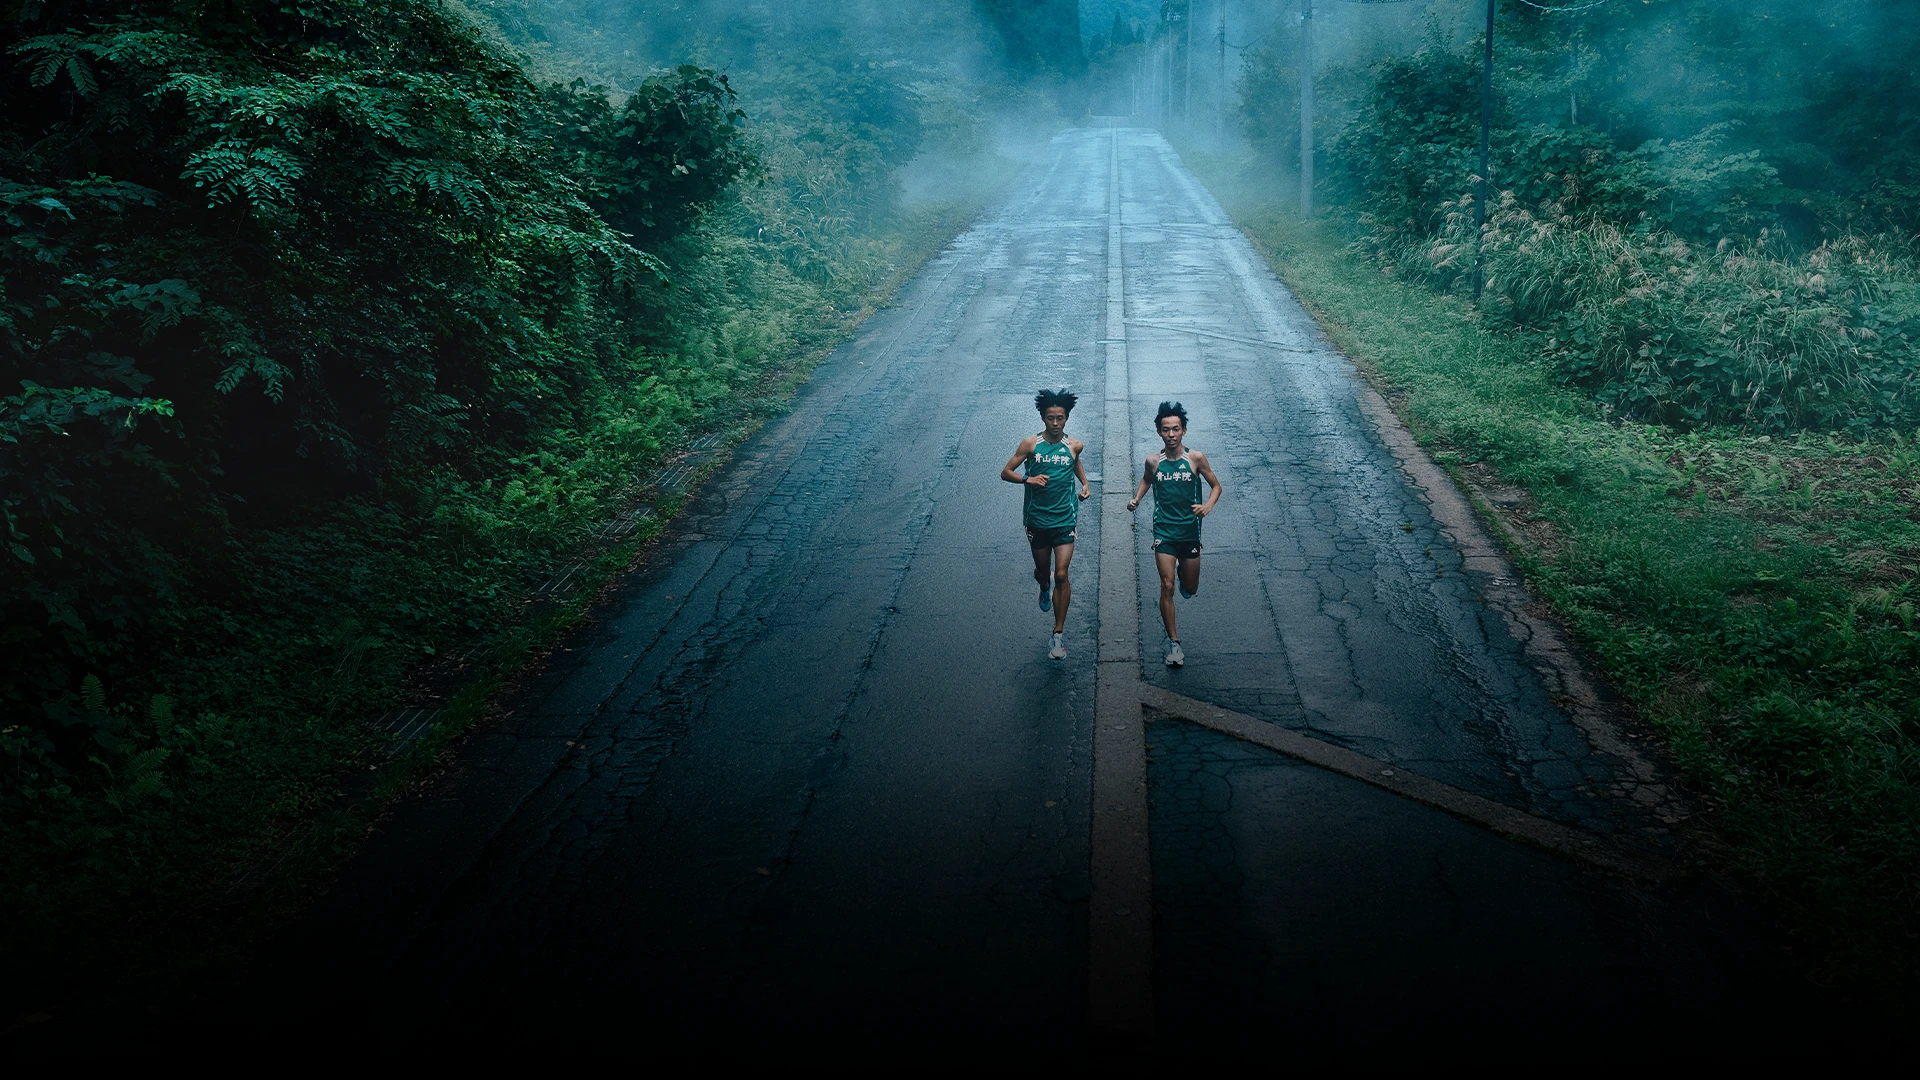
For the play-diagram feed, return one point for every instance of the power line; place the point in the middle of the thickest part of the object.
(1256, 37)
(1531, 4)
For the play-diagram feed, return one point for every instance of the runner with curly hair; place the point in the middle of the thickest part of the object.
(1052, 466)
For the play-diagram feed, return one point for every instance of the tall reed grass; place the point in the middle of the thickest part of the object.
(1745, 333)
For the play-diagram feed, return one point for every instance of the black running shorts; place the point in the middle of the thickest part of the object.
(1179, 549)
(1051, 538)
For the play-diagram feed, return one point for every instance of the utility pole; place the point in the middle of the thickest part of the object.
(1167, 45)
(1573, 74)
(1173, 67)
(1150, 78)
(1486, 122)
(1186, 97)
(1169, 20)
(1220, 117)
(1306, 108)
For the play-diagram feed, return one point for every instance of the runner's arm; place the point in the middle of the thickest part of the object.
(1020, 454)
(1205, 468)
(1146, 482)
(1080, 467)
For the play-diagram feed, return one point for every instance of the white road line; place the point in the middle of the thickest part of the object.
(1120, 918)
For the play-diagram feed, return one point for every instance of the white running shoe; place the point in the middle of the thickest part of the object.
(1175, 657)
(1059, 650)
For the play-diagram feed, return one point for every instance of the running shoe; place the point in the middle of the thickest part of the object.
(1046, 598)
(1059, 650)
(1175, 657)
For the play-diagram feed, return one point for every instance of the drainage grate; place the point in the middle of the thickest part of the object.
(258, 872)
(407, 725)
(674, 477)
(619, 527)
(558, 583)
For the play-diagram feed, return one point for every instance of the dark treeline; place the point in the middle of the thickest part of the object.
(329, 325)
(1705, 211)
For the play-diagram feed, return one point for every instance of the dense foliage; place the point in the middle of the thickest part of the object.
(329, 326)
(1036, 36)
(1705, 212)
(260, 256)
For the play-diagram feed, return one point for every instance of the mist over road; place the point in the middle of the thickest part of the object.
(810, 775)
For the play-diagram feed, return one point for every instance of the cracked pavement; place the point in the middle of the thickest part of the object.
(808, 778)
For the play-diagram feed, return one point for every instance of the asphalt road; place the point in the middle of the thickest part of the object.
(808, 781)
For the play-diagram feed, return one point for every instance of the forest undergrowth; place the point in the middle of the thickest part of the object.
(334, 330)
(1750, 592)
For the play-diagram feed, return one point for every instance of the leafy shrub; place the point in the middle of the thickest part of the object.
(1657, 278)
(1664, 329)
(338, 251)
(653, 165)
(1413, 143)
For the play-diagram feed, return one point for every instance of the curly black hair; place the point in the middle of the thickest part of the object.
(1170, 408)
(1047, 399)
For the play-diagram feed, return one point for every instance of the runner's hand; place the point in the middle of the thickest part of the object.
(1084, 492)
(1201, 509)
(1038, 480)
(1132, 503)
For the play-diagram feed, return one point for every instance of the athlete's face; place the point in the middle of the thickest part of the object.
(1171, 431)
(1055, 418)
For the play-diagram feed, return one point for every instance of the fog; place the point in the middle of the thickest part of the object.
(344, 341)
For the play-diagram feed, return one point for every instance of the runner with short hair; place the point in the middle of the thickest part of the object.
(1051, 513)
(1174, 475)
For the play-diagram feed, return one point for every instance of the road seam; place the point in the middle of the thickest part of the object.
(1218, 336)
(1497, 816)
(1120, 913)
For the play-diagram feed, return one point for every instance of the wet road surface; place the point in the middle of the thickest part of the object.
(809, 780)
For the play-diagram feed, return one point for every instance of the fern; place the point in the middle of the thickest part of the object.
(55, 54)
(141, 776)
(229, 170)
(93, 695)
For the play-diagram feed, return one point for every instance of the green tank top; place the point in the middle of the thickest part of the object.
(1057, 505)
(1176, 488)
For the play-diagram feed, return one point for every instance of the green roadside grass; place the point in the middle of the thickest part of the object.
(1752, 598)
(247, 787)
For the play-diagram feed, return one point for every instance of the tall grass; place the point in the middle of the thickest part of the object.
(1746, 333)
(1752, 596)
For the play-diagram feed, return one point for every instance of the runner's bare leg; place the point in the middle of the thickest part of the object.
(1167, 563)
(1062, 588)
(1190, 575)
(1042, 564)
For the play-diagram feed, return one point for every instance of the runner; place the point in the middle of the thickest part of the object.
(1052, 464)
(1174, 475)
